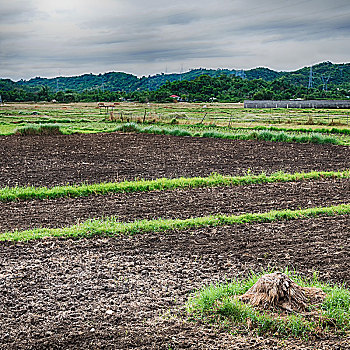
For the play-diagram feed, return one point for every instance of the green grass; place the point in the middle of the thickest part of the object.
(6, 129)
(265, 135)
(40, 129)
(216, 304)
(111, 226)
(9, 194)
(299, 130)
(87, 118)
(69, 126)
(225, 120)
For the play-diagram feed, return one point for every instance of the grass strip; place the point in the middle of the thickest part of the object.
(333, 130)
(9, 194)
(111, 226)
(299, 130)
(216, 304)
(261, 135)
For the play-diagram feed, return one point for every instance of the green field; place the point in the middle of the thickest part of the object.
(197, 118)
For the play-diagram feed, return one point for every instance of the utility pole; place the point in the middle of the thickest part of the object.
(241, 74)
(57, 82)
(103, 87)
(325, 82)
(310, 86)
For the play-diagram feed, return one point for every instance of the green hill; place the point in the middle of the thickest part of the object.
(337, 74)
(329, 81)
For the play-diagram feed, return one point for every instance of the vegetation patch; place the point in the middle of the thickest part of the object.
(40, 129)
(264, 135)
(9, 194)
(274, 304)
(299, 130)
(111, 226)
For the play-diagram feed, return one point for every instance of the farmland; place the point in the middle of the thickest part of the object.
(89, 117)
(115, 268)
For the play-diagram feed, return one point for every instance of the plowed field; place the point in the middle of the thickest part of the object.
(58, 160)
(129, 292)
(183, 204)
(57, 294)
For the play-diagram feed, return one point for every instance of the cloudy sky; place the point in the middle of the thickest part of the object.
(49, 38)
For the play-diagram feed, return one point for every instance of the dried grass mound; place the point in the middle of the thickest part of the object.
(277, 290)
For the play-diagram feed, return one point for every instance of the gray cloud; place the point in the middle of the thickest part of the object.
(44, 37)
(16, 11)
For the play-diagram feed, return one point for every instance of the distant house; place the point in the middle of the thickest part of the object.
(175, 97)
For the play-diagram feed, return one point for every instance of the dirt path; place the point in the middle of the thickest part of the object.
(58, 160)
(57, 293)
(183, 204)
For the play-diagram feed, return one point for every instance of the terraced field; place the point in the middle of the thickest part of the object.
(112, 291)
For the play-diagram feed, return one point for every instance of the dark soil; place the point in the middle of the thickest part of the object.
(182, 204)
(58, 160)
(129, 292)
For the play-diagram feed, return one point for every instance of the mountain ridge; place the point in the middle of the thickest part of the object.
(323, 73)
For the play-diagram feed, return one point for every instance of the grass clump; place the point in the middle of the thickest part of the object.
(179, 132)
(219, 304)
(40, 129)
(129, 127)
(214, 134)
(282, 136)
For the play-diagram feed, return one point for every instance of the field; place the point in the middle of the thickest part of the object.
(87, 117)
(114, 268)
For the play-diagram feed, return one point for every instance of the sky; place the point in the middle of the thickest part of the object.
(50, 38)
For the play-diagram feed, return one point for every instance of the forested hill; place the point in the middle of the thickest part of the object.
(333, 74)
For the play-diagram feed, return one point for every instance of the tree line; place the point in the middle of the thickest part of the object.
(216, 86)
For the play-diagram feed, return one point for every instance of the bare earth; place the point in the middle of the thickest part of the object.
(58, 160)
(56, 293)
